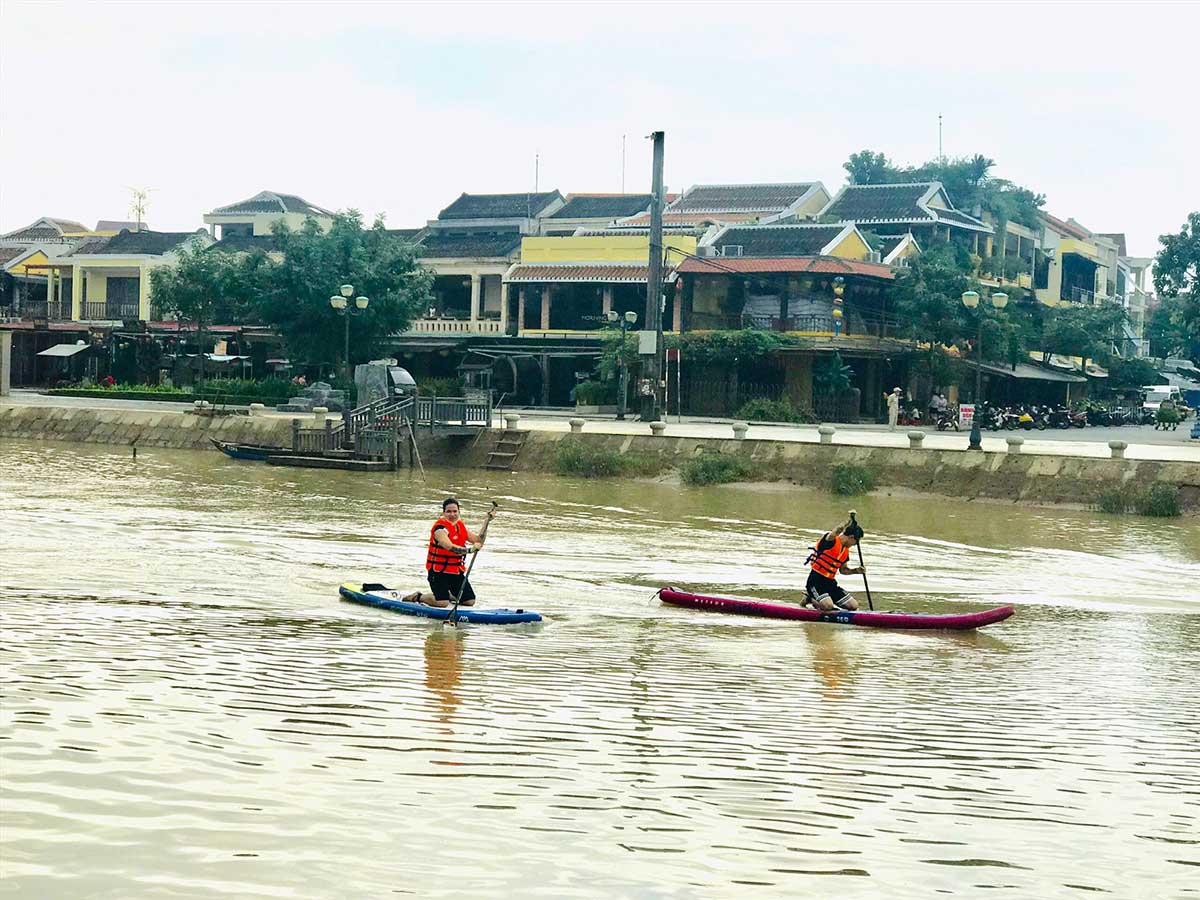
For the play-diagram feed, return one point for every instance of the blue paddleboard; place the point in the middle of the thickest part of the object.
(384, 598)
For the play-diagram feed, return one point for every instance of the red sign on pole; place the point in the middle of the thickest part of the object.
(673, 355)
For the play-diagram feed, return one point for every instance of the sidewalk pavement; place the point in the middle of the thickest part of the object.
(1175, 446)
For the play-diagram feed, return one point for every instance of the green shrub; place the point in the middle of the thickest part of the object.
(714, 468)
(573, 457)
(760, 409)
(1159, 500)
(1116, 498)
(596, 393)
(851, 479)
(440, 387)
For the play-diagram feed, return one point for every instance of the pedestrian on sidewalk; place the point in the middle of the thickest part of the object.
(893, 408)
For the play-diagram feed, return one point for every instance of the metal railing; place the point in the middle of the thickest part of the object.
(466, 411)
(102, 310)
(853, 323)
(378, 443)
(454, 326)
(54, 310)
(1079, 295)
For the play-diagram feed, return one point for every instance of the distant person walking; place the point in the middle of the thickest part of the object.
(893, 408)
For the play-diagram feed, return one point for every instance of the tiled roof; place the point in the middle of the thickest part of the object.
(740, 197)
(620, 273)
(91, 245)
(68, 224)
(247, 243)
(8, 254)
(958, 218)
(271, 202)
(499, 206)
(880, 203)
(1067, 228)
(603, 206)
(692, 218)
(141, 243)
(113, 225)
(1117, 238)
(779, 240)
(830, 265)
(405, 234)
(34, 234)
(449, 244)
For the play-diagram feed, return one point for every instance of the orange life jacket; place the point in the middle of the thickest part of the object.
(827, 562)
(446, 561)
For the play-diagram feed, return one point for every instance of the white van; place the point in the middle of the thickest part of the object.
(1157, 393)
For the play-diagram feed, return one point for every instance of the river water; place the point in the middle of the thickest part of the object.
(189, 711)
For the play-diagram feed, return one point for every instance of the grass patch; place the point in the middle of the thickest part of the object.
(714, 468)
(1157, 500)
(761, 409)
(572, 457)
(851, 479)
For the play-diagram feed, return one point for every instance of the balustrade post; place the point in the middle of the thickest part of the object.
(295, 435)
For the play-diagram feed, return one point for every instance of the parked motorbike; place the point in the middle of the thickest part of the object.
(948, 419)
(1059, 417)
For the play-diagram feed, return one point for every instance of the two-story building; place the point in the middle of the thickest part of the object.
(707, 205)
(1079, 266)
(250, 224)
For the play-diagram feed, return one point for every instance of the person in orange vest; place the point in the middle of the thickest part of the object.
(449, 542)
(829, 559)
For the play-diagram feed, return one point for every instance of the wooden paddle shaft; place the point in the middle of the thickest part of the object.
(861, 564)
(462, 588)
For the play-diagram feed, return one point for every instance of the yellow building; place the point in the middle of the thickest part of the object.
(108, 279)
(566, 286)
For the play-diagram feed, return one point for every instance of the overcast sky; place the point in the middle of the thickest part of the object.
(396, 109)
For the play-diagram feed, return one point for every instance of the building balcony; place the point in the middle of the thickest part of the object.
(52, 311)
(1079, 295)
(451, 326)
(110, 310)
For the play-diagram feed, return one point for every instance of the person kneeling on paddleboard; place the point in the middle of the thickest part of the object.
(449, 541)
(829, 559)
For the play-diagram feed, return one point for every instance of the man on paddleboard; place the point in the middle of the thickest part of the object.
(829, 559)
(449, 541)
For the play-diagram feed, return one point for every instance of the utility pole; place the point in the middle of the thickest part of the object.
(941, 155)
(654, 287)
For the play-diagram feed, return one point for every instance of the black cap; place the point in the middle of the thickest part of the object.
(448, 501)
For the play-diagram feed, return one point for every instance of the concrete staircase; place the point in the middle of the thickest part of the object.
(504, 452)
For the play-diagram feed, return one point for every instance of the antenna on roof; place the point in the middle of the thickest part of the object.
(941, 155)
(536, 166)
(622, 164)
(137, 206)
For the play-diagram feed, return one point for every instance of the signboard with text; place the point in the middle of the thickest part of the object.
(966, 414)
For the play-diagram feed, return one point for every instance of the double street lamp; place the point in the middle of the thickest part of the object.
(970, 300)
(341, 303)
(626, 321)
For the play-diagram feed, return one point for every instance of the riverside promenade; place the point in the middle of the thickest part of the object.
(1144, 441)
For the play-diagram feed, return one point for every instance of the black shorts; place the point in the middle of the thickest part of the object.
(818, 584)
(446, 586)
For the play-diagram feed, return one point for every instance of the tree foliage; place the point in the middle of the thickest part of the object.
(208, 286)
(1177, 282)
(380, 266)
(1084, 331)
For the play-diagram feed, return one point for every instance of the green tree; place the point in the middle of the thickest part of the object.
(867, 167)
(379, 265)
(928, 302)
(1084, 331)
(1177, 282)
(199, 288)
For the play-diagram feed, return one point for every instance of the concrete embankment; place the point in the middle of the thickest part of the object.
(1026, 477)
(186, 430)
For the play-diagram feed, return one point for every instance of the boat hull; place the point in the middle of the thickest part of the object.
(948, 622)
(382, 597)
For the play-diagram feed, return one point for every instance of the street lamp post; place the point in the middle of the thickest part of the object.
(970, 300)
(626, 321)
(341, 303)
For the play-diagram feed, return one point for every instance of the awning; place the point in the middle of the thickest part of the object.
(586, 273)
(63, 350)
(1026, 373)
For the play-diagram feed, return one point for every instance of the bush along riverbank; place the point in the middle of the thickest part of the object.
(1163, 488)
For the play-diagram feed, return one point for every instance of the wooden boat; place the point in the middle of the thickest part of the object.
(235, 450)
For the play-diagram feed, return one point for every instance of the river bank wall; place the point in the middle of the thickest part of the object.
(1024, 477)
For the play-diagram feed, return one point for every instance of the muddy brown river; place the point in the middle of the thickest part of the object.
(188, 710)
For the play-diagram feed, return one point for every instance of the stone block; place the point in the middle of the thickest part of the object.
(826, 432)
(1014, 444)
(1118, 449)
(739, 431)
(511, 421)
(576, 426)
(658, 429)
(916, 440)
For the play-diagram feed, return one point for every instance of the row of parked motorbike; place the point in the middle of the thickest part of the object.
(1030, 417)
